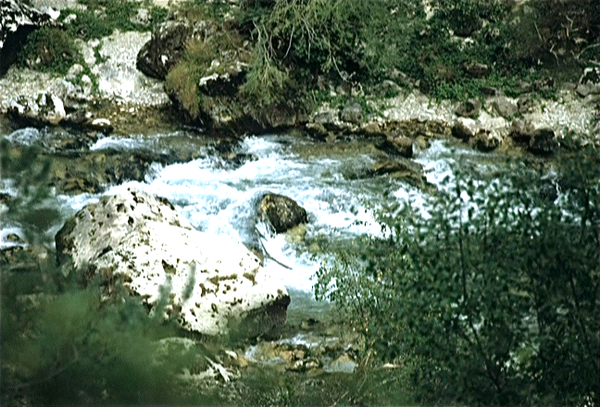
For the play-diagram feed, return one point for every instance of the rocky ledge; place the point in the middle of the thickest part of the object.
(104, 92)
(129, 93)
(499, 123)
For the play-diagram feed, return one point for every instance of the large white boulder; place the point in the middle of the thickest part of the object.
(212, 283)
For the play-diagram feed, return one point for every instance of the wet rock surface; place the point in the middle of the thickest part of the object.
(401, 168)
(397, 145)
(539, 141)
(282, 213)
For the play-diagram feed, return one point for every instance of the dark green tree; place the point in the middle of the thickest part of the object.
(495, 296)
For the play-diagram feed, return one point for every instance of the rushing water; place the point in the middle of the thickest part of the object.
(328, 180)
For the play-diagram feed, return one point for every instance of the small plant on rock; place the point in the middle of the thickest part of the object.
(50, 50)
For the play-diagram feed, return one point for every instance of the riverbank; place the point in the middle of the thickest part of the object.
(105, 90)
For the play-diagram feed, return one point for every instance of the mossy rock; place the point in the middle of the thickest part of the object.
(281, 212)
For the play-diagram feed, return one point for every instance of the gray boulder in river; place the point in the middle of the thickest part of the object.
(281, 212)
(214, 284)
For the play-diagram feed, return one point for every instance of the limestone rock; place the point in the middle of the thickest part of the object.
(352, 113)
(465, 129)
(226, 82)
(398, 165)
(541, 141)
(372, 129)
(525, 104)
(589, 83)
(212, 284)
(397, 145)
(17, 20)
(326, 117)
(281, 212)
(316, 130)
(470, 108)
(521, 131)
(343, 364)
(487, 140)
(504, 107)
(46, 109)
(402, 168)
(476, 70)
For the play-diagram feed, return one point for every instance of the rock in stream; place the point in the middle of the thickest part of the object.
(212, 283)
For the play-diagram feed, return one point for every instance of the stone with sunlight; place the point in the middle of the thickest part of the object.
(211, 283)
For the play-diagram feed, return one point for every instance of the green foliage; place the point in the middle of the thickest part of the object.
(50, 50)
(102, 17)
(496, 305)
(567, 29)
(183, 79)
(352, 39)
(366, 386)
(367, 41)
(464, 17)
(302, 45)
(265, 81)
(30, 175)
(157, 16)
(76, 349)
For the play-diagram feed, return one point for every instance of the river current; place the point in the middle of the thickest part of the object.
(328, 179)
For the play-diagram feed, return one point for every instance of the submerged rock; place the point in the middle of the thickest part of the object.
(541, 141)
(397, 145)
(402, 168)
(281, 212)
(211, 283)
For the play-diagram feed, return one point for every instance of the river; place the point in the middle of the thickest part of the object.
(330, 180)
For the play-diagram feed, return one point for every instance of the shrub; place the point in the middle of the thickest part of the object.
(102, 17)
(182, 81)
(353, 40)
(496, 305)
(50, 50)
(265, 82)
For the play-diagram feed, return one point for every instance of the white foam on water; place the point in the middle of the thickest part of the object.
(10, 230)
(219, 197)
(116, 143)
